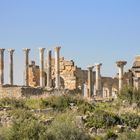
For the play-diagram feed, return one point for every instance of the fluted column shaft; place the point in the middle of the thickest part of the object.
(11, 51)
(121, 65)
(57, 67)
(42, 76)
(90, 82)
(26, 53)
(98, 78)
(1, 66)
(49, 76)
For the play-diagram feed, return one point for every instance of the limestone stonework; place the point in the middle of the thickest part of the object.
(11, 77)
(34, 75)
(2, 66)
(55, 72)
(26, 59)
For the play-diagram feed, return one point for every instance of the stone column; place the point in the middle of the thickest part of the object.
(90, 82)
(11, 51)
(26, 52)
(121, 65)
(42, 76)
(98, 79)
(49, 75)
(2, 66)
(57, 67)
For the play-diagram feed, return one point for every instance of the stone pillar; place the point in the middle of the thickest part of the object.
(2, 66)
(90, 82)
(42, 76)
(49, 75)
(26, 51)
(121, 65)
(11, 51)
(57, 67)
(98, 79)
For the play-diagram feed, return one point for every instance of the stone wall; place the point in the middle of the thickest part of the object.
(34, 75)
(20, 92)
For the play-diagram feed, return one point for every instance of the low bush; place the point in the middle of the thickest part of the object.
(102, 119)
(131, 120)
(12, 103)
(25, 126)
(129, 136)
(130, 95)
(64, 128)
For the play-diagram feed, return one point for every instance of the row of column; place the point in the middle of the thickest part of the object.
(120, 65)
(90, 80)
(11, 51)
(98, 88)
(26, 72)
(42, 76)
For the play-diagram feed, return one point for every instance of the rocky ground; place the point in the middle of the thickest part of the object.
(68, 117)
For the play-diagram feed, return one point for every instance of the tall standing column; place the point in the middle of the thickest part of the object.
(42, 76)
(49, 78)
(11, 51)
(121, 65)
(57, 67)
(90, 81)
(98, 79)
(26, 51)
(2, 66)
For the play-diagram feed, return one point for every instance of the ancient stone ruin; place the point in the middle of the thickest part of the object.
(61, 74)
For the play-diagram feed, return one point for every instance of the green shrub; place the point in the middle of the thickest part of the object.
(61, 103)
(64, 128)
(126, 94)
(57, 102)
(25, 126)
(131, 120)
(130, 95)
(12, 102)
(110, 135)
(129, 136)
(136, 97)
(103, 119)
(85, 107)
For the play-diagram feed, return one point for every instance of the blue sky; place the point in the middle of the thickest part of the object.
(89, 31)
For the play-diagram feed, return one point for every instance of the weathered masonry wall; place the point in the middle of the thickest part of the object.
(20, 92)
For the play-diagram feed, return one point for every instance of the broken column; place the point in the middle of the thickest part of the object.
(11, 51)
(49, 78)
(1, 66)
(98, 79)
(90, 82)
(26, 51)
(121, 65)
(57, 67)
(42, 76)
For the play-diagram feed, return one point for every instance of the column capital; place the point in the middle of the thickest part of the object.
(41, 50)
(26, 49)
(121, 63)
(57, 48)
(11, 50)
(90, 67)
(2, 49)
(98, 65)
